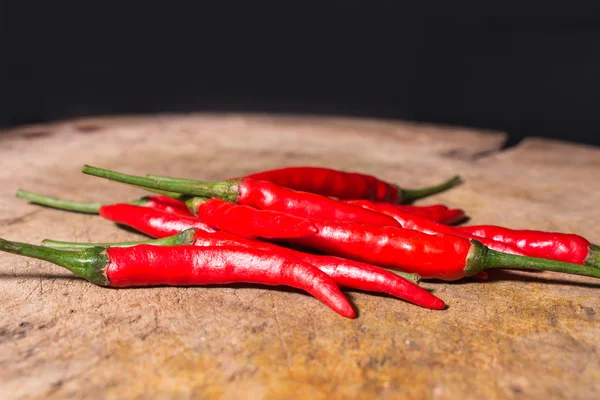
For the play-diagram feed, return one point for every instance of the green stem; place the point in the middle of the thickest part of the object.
(482, 258)
(89, 264)
(227, 190)
(409, 195)
(184, 238)
(69, 205)
(593, 258)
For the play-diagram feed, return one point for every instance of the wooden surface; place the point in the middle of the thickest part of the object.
(517, 336)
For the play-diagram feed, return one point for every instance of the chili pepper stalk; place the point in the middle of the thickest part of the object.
(164, 202)
(146, 265)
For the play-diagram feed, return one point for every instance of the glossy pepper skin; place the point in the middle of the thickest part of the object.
(438, 213)
(152, 222)
(553, 245)
(261, 195)
(147, 265)
(348, 273)
(344, 185)
(164, 203)
(251, 223)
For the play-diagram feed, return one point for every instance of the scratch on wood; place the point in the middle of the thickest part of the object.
(286, 350)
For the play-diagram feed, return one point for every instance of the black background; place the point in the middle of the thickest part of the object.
(531, 69)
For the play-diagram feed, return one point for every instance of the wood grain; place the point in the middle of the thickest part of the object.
(519, 335)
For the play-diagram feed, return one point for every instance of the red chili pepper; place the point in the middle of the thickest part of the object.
(438, 213)
(251, 223)
(554, 245)
(147, 265)
(345, 272)
(158, 202)
(444, 257)
(345, 185)
(258, 194)
(152, 222)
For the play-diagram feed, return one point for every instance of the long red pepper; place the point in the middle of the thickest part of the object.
(158, 202)
(558, 246)
(258, 194)
(431, 256)
(438, 212)
(251, 223)
(345, 185)
(147, 265)
(346, 273)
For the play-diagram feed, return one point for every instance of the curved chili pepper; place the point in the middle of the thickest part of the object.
(152, 222)
(557, 246)
(446, 257)
(438, 213)
(251, 223)
(345, 185)
(258, 194)
(147, 265)
(348, 273)
(158, 202)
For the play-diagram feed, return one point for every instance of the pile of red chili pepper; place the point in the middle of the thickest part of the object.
(313, 229)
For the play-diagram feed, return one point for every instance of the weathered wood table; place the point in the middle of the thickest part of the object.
(520, 335)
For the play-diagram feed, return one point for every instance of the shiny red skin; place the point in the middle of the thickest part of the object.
(269, 196)
(551, 245)
(348, 273)
(167, 204)
(438, 213)
(249, 222)
(431, 256)
(331, 183)
(152, 222)
(425, 225)
(147, 265)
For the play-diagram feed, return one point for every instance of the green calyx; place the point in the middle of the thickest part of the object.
(409, 195)
(481, 258)
(593, 258)
(227, 190)
(183, 238)
(89, 263)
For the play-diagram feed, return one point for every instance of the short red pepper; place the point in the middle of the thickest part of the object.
(557, 246)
